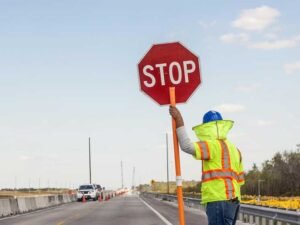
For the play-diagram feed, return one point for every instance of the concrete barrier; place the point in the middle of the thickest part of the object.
(5, 209)
(60, 198)
(22, 204)
(42, 202)
(30, 203)
(53, 200)
(13, 206)
(66, 198)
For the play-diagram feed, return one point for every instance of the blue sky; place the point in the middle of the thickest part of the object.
(68, 70)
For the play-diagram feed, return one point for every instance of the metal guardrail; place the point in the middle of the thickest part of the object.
(262, 214)
(248, 213)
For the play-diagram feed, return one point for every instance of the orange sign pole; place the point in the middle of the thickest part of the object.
(177, 163)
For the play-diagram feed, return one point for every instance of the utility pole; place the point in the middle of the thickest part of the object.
(15, 185)
(90, 166)
(122, 174)
(133, 176)
(167, 148)
(29, 184)
(259, 181)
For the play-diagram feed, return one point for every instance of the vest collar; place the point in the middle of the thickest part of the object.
(213, 130)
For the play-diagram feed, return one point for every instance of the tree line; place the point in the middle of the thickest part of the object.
(279, 176)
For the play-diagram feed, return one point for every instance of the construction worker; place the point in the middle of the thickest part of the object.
(222, 167)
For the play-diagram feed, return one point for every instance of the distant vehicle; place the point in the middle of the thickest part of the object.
(89, 191)
(98, 186)
(99, 189)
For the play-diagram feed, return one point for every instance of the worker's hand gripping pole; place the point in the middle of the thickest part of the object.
(177, 162)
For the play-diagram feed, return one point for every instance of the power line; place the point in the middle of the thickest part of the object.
(133, 178)
(90, 163)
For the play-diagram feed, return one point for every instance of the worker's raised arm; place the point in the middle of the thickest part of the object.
(184, 141)
(175, 113)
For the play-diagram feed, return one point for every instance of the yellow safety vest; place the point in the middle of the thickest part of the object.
(222, 167)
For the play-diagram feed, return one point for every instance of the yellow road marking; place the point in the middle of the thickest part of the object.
(60, 223)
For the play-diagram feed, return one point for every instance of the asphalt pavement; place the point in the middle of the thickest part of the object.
(126, 210)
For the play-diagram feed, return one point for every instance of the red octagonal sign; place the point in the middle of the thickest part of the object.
(169, 65)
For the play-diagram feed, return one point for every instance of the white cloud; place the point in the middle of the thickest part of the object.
(234, 38)
(230, 108)
(264, 123)
(206, 25)
(290, 68)
(247, 88)
(264, 45)
(256, 19)
(276, 44)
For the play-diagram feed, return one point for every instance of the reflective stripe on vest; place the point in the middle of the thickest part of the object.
(229, 188)
(225, 155)
(222, 174)
(204, 150)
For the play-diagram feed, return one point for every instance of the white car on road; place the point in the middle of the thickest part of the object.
(89, 191)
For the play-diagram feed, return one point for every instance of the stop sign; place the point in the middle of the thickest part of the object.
(169, 65)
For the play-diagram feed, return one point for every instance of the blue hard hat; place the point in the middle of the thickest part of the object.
(211, 116)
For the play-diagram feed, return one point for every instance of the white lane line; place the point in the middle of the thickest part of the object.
(157, 213)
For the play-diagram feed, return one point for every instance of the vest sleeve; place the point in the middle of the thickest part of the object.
(202, 150)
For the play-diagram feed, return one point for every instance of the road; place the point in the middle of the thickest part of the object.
(126, 210)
